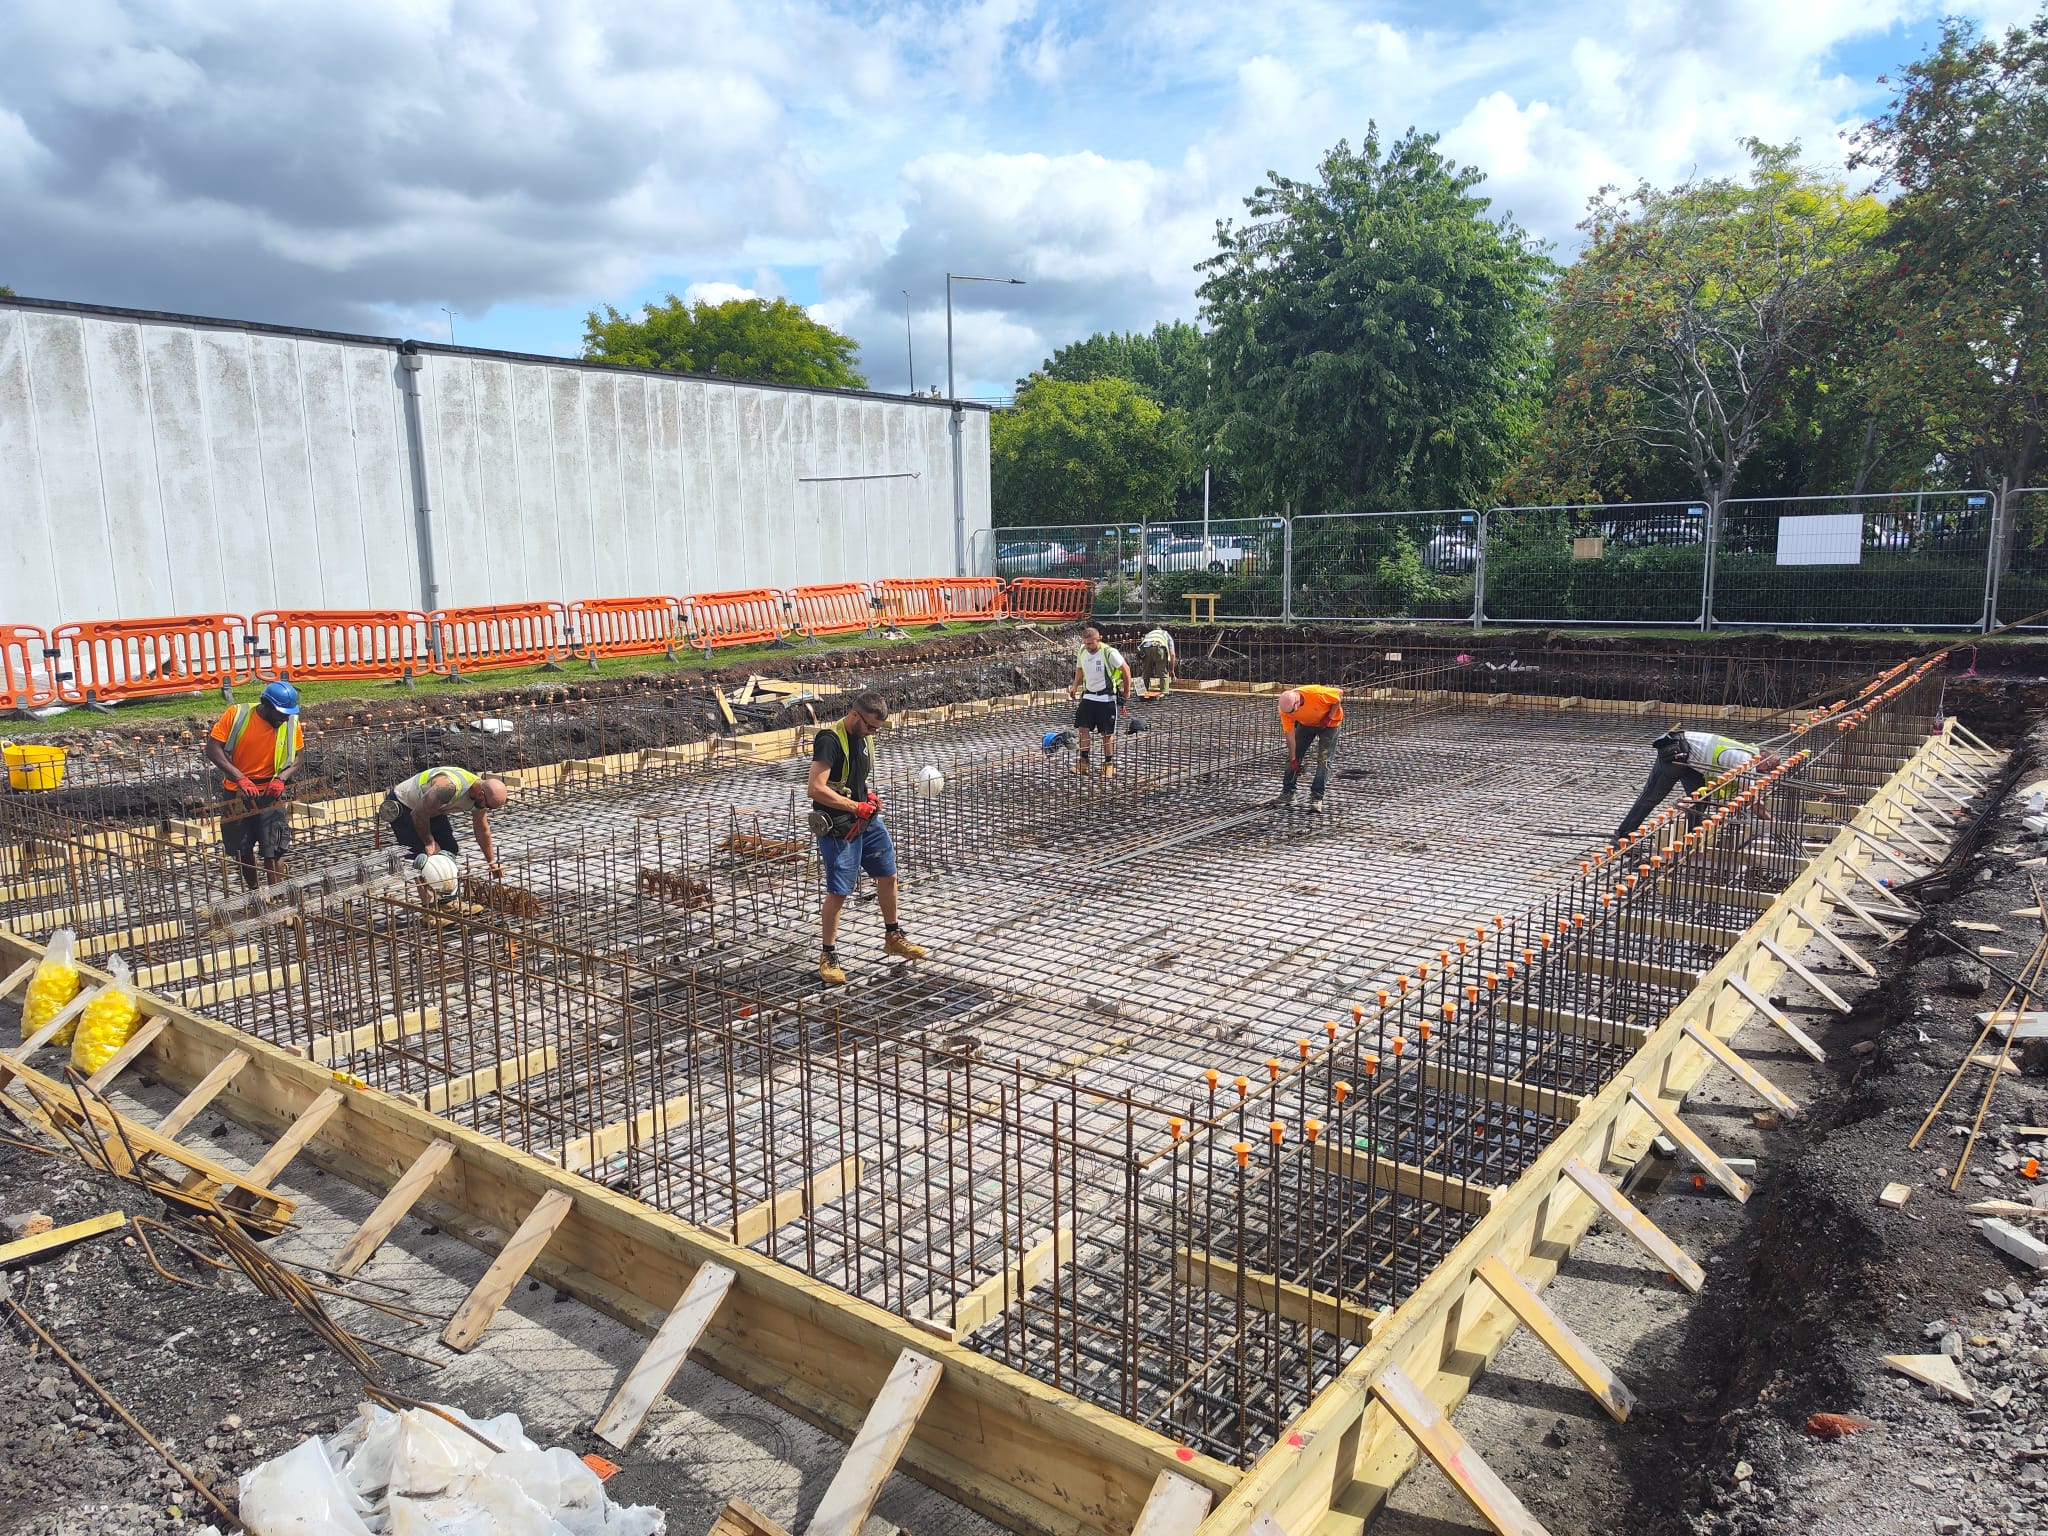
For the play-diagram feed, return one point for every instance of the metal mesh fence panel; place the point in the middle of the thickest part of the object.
(1907, 560)
(1386, 565)
(1240, 560)
(2022, 582)
(1101, 552)
(1643, 563)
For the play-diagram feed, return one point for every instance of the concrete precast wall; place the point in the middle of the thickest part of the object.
(164, 464)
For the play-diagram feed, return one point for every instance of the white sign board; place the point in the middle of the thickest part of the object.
(1834, 539)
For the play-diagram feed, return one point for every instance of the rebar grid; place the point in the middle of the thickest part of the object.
(1236, 1075)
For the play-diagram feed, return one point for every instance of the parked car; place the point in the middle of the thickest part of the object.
(1451, 550)
(1035, 557)
(1188, 555)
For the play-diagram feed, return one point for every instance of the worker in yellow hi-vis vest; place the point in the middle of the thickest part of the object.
(1692, 759)
(418, 810)
(256, 748)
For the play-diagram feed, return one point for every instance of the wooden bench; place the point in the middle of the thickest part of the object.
(1201, 597)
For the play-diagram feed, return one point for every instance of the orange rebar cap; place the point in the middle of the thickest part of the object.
(1243, 1085)
(1277, 1131)
(1342, 1090)
(1173, 1124)
(1243, 1149)
(1273, 1068)
(1210, 1077)
(1311, 1129)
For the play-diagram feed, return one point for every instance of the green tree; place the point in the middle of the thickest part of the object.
(1098, 451)
(1167, 363)
(771, 340)
(1685, 325)
(1374, 334)
(1965, 144)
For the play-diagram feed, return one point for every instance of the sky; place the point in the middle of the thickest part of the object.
(494, 169)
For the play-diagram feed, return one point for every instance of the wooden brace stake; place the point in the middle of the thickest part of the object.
(482, 1303)
(1792, 963)
(1762, 1005)
(873, 1455)
(1638, 1226)
(1695, 1147)
(658, 1364)
(1752, 1079)
(1454, 1455)
(378, 1225)
(1538, 1317)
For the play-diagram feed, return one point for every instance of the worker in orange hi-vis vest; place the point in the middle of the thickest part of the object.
(256, 748)
(1309, 717)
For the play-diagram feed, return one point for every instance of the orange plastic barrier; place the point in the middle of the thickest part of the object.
(973, 599)
(116, 659)
(752, 616)
(312, 643)
(490, 637)
(625, 626)
(1051, 597)
(922, 601)
(834, 608)
(28, 667)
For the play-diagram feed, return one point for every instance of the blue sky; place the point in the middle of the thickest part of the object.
(359, 167)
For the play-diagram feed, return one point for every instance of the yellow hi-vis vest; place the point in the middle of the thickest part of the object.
(284, 751)
(843, 775)
(412, 793)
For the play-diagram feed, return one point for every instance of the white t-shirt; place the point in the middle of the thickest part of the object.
(1095, 669)
(1700, 753)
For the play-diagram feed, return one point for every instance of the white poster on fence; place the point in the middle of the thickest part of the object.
(1834, 539)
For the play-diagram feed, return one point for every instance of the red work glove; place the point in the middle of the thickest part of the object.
(1294, 765)
(866, 809)
(247, 786)
(274, 789)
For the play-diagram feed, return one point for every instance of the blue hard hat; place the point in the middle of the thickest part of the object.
(1050, 743)
(282, 697)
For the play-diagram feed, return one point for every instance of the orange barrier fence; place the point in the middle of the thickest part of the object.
(1051, 597)
(625, 626)
(116, 659)
(835, 608)
(752, 616)
(309, 644)
(912, 602)
(490, 637)
(972, 599)
(28, 667)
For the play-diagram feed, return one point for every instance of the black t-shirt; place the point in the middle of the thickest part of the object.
(826, 750)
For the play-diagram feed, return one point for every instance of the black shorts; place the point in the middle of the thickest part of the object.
(267, 832)
(1095, 715)
(407, 836)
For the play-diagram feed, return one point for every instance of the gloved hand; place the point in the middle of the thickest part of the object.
(1294, 765)
(247, 785)
(274, 789)
(867, 809)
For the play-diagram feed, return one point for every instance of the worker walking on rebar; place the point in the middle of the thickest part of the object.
(1157, 656)
(1691, 758)
(1102, 683)
(256, 748)
(418, 810)
(1309, 718)
(847, 816)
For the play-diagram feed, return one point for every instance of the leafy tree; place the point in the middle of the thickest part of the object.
(1167, 363)
(1683, 328)
(1373, 333)
(770, 340)
(6, 292)
(1966, 146)
(1099, 451)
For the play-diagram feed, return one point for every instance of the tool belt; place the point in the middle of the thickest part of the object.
(840, 824)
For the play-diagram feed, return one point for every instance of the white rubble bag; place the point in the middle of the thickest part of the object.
(415, 1474)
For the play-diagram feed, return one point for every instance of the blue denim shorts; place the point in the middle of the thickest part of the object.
(846, 857)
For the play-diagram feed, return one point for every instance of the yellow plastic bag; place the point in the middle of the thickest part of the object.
(54, 984)
(107, 1022)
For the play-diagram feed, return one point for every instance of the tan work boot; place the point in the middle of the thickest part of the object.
(829, 971)
(1083, 766)
(898, 944)
(1109, 770)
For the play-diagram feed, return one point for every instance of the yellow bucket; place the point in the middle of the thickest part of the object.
(34, 767)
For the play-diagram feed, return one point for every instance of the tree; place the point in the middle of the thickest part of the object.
(1685, 322)
(1966, 146)
(1099, 451)
(1373, 333)
(770, 340)
(1167, 363)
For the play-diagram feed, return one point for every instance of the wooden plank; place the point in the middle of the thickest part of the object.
(10, 1060)
(187, 1108)
(739, 1518)
(1883, 852)
(18, 975)
(1694, 1145)
(379, 1224)
(1673, 928)
(648, 1125)
(1552, 1102)
(1402, 1178)
(1176, 1507)
(269, 979)
(1792, 963)
(1638, 1226)
(1001, 1291)
(1936, 1371)
(288, 1146)
(441, 1097)
(875, 1450)
(1862, 914)
(1673, 978)
(1454, 1455)
(136, 1043)
(1579, 1025)
(1296, 1303)
(73, 916)
(60, 1237)
(821, 1188)
(1752, 1079)
(177, 970)
(659, 1362)
(133, 938)
(1557, 1336)
(482, 1303)
(1762, 1005)
(1826, 934)
(393, 1026)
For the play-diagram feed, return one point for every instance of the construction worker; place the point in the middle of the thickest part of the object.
(1691, 758)
(1309, 718)
(1102, 683)
(1157, 656)
(847, 816)
(256, 748)
(418, 810)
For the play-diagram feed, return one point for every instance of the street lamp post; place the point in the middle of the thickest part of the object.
(959, 467)
(909, 355)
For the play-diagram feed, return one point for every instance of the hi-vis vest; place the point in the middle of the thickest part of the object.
(842, 775)
(1158, 639)
(1113, 668)
(1715, 755)
(412, 793)
(283, 752)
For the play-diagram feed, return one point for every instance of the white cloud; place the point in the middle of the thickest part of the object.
(716, 293)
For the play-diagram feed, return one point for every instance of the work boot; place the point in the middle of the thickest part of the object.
(1083, 766)
(829, 971)
(1315, 806)
(1109, 770)
(1285, 802)
(898, 944)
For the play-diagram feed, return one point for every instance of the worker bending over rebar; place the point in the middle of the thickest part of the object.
(1309, 718)
(1102, 683)
(1156, 657)
(847, 816)
(1690, 758)
(256, 747)
(418, 810)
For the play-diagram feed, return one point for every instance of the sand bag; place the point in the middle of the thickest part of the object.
(107, 1022)
(54, 984)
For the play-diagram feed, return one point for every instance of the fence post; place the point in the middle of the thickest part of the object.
(1707, 571)
(1287, 566)
(1479, 517)
(1995, 561)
